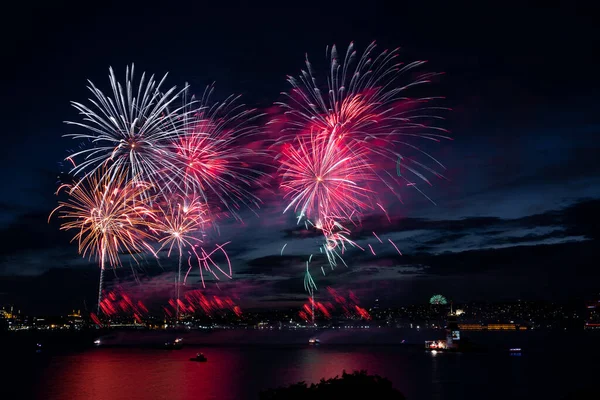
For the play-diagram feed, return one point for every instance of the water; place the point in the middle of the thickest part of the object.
(551, 367)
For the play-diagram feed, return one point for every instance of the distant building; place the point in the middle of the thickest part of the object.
(75, 320)
(376, 305)
(492, 327)
(592, 315)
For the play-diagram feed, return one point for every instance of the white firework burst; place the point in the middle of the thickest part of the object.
(131, 130)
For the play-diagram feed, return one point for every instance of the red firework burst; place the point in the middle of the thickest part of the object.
(325, 179)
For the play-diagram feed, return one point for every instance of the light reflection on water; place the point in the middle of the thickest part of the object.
(241, 372)
(230, 373)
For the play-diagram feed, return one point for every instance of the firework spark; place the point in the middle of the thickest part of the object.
(108, 214)
(207, 262)
(179, 222)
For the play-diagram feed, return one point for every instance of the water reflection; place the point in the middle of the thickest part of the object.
(241, 372)
(230, 373)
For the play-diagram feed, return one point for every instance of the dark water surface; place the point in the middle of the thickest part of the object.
(550, 367)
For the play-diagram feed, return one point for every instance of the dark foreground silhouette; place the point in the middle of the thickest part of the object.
(583, 394)
(357, 385)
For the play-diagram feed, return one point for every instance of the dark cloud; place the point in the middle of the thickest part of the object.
(58, 289)
(30, 231)
(441, 250)
(300, 231)
(279, 265)
(514, 240)
(445, 238)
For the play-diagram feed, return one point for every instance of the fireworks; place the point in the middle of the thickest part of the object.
(155, 166)
(324, 179)
(349, 307)
(214, 155)
(130, 131)
(181, 224)
(366, 106)
(108, 214)
(178, 224)
(119, 303)
(160, 166)
(337, 240)
(195, 301)
(438, 299)
(207, 262)
(341, 140)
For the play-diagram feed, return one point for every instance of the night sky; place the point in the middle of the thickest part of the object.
(517, 218)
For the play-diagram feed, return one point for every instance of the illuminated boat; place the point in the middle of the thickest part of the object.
(452, 342)
(313, 341)
(515, 351)
(199, 358)
(174, 345)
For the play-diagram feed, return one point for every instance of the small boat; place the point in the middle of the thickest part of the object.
(176, 344)
(515, 351)
(199, 358)
(313, 341)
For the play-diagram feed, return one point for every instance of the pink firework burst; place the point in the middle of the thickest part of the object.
(324, 179)
(368, 104)
(215, 153)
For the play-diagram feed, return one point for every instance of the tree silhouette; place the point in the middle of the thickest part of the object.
(357, 385)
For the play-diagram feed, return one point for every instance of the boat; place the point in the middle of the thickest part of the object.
(199, 358)
(436, 345)
(176, 344)
(452, 341)
(313, 341)
(515, 351)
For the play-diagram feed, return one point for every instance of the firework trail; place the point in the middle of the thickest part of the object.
(310, 310)
(206, 262)
(350, 307)
(310, 286)
(118, 303)
(130, 131)
(214, 155)
(195, 301)
(337, 241)
(108, 213)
